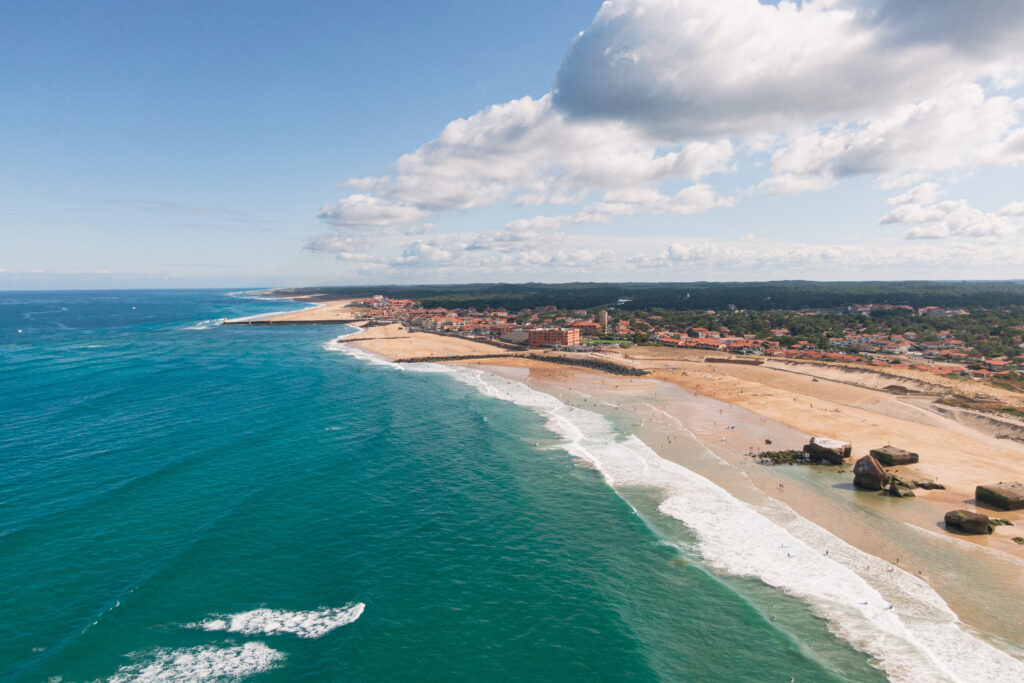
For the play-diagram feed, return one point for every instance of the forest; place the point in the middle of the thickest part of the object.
(785, 295)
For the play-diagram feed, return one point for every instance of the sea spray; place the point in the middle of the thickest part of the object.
(896, 618)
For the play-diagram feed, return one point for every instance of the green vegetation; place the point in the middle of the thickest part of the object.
(697, 296)
(982, 406)
(787, 457)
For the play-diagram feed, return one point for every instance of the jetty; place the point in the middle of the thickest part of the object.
(295, 321)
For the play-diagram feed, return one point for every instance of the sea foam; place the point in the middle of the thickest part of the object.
(917, 638)
(204, 663)
(311, 624)
(206, 324)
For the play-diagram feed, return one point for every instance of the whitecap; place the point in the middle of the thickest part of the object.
(203, 663)
(311, 624)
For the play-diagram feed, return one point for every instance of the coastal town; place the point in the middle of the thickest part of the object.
(930, 339)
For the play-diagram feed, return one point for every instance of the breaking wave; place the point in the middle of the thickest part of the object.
(311, 624)
(204, 663)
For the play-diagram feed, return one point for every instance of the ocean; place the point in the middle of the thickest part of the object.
(182, 500)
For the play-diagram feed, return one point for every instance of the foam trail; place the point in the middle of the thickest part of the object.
(204, 663)
(312, 624)
(920, 638)
(206, 324)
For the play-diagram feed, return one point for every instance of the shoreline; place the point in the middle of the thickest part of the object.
(739, 532)
(880, 526)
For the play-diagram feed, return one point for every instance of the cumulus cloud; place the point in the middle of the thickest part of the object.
(343, 248)
(956, 219)
(716, 257)
(524, 150)
(694, 68)
(660, 94)
(958, 128)
(362, 210)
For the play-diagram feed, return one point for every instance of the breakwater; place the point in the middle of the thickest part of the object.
(590, 363)
(254, 323)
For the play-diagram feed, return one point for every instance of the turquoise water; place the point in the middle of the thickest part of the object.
(158, 472)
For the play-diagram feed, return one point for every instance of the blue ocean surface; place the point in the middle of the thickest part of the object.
(181, 500)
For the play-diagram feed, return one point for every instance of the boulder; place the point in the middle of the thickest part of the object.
(968, 522)
(868, 474)
(1007, 495)
(827, 450)
(890, 456)
(898, 490)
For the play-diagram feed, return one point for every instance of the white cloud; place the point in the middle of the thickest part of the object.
(422, 253)
(926, 193)
(343, 248)
(525, 150)
(521, 234)
(693, 68)
(958, 128)
(362, 210)
(1015, 209)
(956, 219)
(655, 92)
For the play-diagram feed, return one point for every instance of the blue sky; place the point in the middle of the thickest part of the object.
(237, 144)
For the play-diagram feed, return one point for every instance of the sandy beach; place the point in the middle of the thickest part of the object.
(326, 311)
(809, 399)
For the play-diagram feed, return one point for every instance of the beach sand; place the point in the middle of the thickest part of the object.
(731, 409)
(329, 310)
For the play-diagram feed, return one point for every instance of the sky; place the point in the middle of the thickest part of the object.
(238, 144)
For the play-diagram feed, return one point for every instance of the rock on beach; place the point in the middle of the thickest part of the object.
(868, 474)
(1004, 495)
(968, 522)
